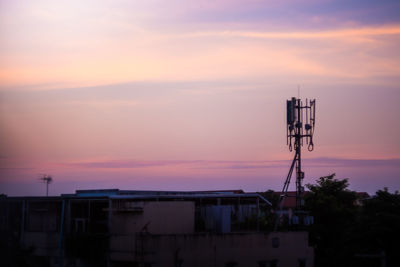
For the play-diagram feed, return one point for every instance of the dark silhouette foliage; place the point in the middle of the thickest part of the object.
(334, 210)
(377, 231)
(350, 232)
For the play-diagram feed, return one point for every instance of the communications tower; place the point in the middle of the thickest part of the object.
(299, 130)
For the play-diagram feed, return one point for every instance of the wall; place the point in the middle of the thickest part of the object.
(44, 243)
(155, 217)
(212, 250)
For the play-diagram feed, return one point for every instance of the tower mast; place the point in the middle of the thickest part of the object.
(298, 129)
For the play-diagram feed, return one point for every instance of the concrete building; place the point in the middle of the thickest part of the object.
(149, 228)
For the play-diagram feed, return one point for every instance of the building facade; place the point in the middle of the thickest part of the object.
(149, 228)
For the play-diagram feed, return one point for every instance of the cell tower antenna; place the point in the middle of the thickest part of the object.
(47, 179)
(300, 127)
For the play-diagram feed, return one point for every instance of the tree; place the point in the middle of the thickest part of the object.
(347, 234)
(272, 197)
(333, 206)
(268, 216)
(378, 228)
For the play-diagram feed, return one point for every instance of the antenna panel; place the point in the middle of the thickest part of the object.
(290, 112)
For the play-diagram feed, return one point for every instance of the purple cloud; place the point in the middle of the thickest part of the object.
(221, 164)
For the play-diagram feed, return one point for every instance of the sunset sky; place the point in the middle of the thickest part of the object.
(191, 95)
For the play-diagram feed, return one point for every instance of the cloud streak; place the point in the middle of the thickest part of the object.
(339, 33)
(226, 164)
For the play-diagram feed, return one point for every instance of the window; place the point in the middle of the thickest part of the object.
(43, 216)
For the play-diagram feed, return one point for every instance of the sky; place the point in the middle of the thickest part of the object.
(191, 95)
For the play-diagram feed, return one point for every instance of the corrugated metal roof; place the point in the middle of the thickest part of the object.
(192, 196)
(111, 192)
(143, 194)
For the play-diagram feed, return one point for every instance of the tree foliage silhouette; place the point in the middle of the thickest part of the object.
(333, 206)
(351, 233)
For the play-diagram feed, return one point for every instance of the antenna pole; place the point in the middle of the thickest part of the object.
(298, 144)
(47, 179)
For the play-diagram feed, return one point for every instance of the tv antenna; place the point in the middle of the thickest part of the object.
(299, 128)
(47, 179)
